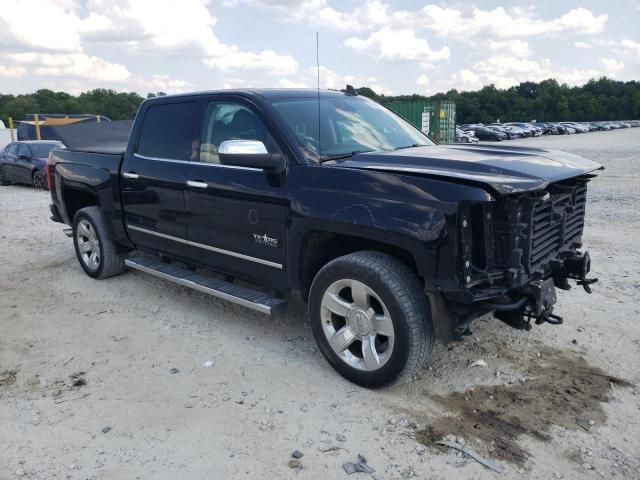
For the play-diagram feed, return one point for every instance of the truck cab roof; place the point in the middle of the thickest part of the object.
(267, 93)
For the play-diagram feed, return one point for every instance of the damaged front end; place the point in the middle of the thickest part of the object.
(517, 250)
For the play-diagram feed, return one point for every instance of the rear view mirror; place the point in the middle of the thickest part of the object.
(250, 153)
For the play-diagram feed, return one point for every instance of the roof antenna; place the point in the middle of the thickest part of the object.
(318, 91)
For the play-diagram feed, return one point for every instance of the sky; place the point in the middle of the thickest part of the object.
(398, 47)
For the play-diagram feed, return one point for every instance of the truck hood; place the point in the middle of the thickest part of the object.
(507, 170)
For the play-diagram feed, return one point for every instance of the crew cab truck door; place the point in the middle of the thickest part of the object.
(154, 174)
(236, 215)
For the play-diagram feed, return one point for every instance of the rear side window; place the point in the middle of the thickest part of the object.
(168, 131)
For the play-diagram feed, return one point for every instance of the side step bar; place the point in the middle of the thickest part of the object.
(244, 296)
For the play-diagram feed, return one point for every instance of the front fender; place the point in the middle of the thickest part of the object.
(414, 213)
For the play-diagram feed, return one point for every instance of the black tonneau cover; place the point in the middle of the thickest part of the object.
(103, 137)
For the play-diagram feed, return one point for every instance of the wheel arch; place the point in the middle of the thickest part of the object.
(319, 247)
(76, 197)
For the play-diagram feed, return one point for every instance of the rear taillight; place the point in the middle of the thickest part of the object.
(49, 170)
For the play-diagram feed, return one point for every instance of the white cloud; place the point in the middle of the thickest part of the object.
(164, 83)
(579, 20)
(611, 66)
(141, 26)
(422, 81)
(267, 61)
(389, 44)
(465, 79)
(517, 48)
(504, 72)
(39, 24)
(367, 15)
(573, 76)
(308, 78)
(584, 45)
(286, 83)
(12, 72)
(444, 21)
(629, 47)
(77, 65)
(498, 23)
(238, 83)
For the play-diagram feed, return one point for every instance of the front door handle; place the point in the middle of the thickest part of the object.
(197, 184)
(130, 175)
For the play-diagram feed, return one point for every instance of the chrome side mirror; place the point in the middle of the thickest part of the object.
(250, 153)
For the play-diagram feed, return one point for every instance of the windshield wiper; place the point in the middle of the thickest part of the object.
(341, 155)
(410, 146)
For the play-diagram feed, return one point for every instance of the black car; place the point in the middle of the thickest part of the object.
(392, 240)
(508, 134)
(24, 162)
(484, 133)
(547, 128)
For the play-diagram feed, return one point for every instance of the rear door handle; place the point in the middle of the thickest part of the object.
(197, 184)
(130, 175)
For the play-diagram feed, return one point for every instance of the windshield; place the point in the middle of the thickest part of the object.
(41, 150)
(348, 125)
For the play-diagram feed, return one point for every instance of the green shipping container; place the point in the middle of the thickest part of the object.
(423, 115)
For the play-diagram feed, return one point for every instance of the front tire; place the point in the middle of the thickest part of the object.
(97, 253)
(4, 181)
(370, 318)
(37, 180)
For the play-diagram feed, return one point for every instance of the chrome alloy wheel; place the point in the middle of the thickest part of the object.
(357, 324)
(88, 245)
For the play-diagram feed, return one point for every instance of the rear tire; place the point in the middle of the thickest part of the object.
(97, 253)
(370, 318)
(4, 181)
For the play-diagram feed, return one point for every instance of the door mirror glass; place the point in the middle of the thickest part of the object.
(250, 153)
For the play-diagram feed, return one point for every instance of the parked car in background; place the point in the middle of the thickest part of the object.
(24, 162)
(465, 137)
(579, 128)
(519, 132)
(534, 132)
(563, 129)
(510, 134)
(484, 133)
(547, 128)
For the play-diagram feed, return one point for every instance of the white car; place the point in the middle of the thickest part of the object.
(465, 136)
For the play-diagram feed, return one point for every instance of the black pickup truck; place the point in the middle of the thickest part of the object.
(394, 241)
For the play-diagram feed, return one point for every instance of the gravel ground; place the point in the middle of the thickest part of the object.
(105, 379)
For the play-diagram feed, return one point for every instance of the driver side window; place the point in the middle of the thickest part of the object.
(12, 151)
(23, 150)
(231, 121)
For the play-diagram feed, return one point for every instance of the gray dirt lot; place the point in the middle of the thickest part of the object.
(86, 389)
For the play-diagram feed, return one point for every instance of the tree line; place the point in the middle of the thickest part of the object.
(115, 105)
(598, 99)
(601, 99)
